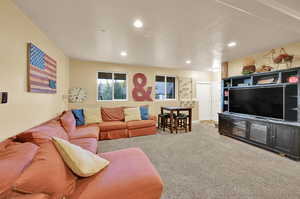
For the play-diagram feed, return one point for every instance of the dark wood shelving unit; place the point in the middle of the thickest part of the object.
(278, 135)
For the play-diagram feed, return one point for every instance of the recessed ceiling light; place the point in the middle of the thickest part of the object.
(188, 61)
(231, 44)
(138, 23)
(123, 53)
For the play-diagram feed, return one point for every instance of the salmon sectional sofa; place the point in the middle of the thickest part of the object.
(31, 167)
(113, 125)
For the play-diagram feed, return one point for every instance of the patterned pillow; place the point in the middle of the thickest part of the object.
(132, 114)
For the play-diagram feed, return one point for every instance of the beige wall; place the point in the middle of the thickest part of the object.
(25, 110)
(83, 75)
(235, 66)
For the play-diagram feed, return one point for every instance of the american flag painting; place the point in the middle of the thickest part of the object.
(41, 71)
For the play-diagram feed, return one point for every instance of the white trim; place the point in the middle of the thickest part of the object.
(113, 87)
(176, 82)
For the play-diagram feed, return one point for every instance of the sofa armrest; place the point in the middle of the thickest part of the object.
(86, 132)
(153, 117)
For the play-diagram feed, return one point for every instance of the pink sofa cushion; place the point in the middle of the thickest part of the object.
(43, 133)
(30, 196)
(130, 175)
(68, 121)
(87, 131)
(112, 114)
(4, 143)
(108, 126)
(13, 159)
(90, 144)
(47, 174)
(140, 124)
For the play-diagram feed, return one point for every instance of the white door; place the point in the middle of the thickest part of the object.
(204, 100)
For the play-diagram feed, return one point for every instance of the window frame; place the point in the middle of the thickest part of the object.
(166, 87)
(113, 87)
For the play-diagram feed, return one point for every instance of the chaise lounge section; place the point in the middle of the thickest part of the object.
(36, 163)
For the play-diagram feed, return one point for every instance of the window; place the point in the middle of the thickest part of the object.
(164, 87)
(112, 86)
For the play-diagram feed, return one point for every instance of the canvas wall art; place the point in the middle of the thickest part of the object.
(41, 71)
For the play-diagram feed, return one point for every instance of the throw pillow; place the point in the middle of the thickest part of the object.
(79, 116)
(47, 174)
(92, 115)
(68, 121)
(144, 112)
(132, 114)
(80, 161)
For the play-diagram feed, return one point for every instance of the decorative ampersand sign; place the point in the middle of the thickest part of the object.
(138, 92)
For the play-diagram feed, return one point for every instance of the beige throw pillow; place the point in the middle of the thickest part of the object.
(132, 114)
(92, 115)
(82, 162)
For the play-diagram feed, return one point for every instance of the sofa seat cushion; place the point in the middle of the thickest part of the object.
(87, 131)
(140, 124)
(130, 175)
(47, 174)
(152, 130)
(14, 158)
(90, 144)
(114, 134)
(108, 126)
(43, 133)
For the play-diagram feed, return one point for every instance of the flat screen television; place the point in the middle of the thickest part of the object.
(264, 101)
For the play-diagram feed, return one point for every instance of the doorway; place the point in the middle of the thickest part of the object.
(204, 100)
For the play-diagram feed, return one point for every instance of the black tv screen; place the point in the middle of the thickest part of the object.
(265, 101)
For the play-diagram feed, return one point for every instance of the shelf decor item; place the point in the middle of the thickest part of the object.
(282, 58)
(249, 66)
(77, 95)
(293, 79)
(264, 68)
(267, 81)
(41, 71)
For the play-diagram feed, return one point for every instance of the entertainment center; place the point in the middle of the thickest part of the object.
(263, 109)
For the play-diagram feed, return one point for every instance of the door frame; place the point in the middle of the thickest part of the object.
(210, 100)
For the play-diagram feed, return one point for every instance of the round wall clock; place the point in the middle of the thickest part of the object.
(77, 95)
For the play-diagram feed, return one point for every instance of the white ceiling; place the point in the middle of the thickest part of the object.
(174, 30)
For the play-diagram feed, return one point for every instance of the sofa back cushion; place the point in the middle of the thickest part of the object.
(112, 114)
(13, 159)
(92, 115)
(68, 121)
(43, 133)
(47, 174)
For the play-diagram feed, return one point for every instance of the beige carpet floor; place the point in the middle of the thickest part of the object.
(204, 165)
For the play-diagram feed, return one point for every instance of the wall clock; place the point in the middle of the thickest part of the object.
(77, 95)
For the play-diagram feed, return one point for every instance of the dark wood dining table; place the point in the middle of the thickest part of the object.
(176, 109)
